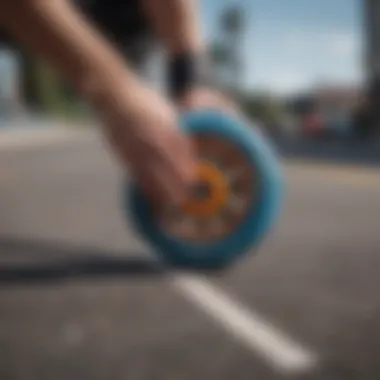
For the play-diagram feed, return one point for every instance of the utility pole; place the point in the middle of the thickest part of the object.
(372, 60)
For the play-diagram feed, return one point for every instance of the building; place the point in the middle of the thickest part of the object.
(9, 84)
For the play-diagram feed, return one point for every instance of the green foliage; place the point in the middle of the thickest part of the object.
(231, 21)
(225, 52)
(265, 109)
(226, 56)
(48, 89)
(57, 98)
(44, 92)
(220, 54)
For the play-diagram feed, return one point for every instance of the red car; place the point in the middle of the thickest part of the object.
(312, 125)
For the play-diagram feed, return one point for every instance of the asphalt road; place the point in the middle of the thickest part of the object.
(83, 298)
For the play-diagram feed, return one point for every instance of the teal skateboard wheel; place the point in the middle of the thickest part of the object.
(234, 206)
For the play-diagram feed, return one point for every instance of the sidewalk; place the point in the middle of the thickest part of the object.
(37, 132)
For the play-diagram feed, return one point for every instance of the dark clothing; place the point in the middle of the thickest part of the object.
(122, 22)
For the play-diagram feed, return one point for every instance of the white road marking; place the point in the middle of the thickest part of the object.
(275, 347)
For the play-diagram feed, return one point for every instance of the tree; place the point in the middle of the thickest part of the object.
(233, 27)
(225, 52)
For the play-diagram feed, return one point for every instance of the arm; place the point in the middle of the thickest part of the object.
(177, 24)
(141, 125)
(57, 32)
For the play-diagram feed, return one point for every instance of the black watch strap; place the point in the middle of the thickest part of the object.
(187, 70)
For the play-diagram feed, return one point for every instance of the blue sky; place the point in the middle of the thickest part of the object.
(289, 45)
(293, 44)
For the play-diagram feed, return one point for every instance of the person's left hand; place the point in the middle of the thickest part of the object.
(207, 98)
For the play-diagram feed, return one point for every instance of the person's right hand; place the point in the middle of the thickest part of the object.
(143, 129)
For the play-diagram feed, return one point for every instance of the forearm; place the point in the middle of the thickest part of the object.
(54, 30)
(177, 24)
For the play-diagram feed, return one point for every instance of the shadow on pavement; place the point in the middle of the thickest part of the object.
(28, 261)
(24, 261)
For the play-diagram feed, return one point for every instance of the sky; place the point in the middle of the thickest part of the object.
(290, 45)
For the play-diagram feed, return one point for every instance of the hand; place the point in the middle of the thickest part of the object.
(203, 97)
(143, 130)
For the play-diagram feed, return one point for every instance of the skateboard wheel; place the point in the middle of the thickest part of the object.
(234, 206)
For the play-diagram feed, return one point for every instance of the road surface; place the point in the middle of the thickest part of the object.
(83, 298)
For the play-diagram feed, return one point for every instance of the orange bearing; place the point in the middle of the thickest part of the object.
(218, 190)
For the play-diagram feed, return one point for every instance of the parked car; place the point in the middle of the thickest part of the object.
(313, 126)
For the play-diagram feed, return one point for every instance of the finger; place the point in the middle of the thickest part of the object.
(177, 173)
(195, 101)
(171, 189)
(210, 101)
(185, 158)
(151, 187)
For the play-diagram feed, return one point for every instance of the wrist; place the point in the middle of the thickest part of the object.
(187, 70)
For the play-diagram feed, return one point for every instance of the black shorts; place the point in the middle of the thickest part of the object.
(123, 23)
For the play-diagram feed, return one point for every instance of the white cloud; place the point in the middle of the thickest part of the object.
(283, 82)
(342, 45)
(288, 82)
(337, 43)
(297, 59)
